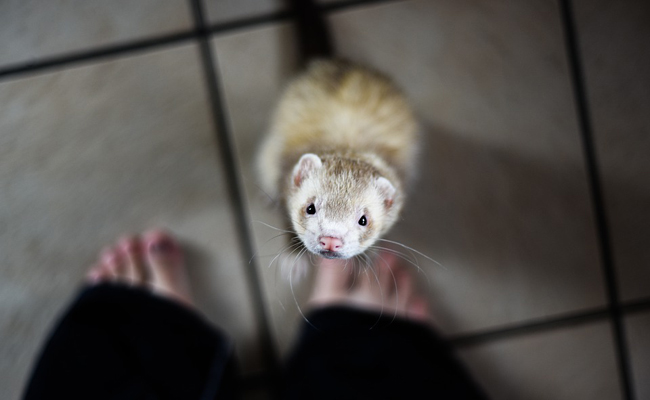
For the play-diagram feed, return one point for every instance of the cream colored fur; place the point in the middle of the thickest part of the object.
(361, 127)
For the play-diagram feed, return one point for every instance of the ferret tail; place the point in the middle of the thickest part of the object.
(314, 39)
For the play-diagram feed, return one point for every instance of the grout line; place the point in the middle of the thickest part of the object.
(535, 326)
(635, 306)
(237, 198)
(597, 195)
(331, 7)
(547, 324)
(98, 53)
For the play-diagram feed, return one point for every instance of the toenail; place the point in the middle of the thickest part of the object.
(162, 246)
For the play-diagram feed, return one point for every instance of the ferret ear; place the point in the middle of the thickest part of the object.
(386, 190)
(307, 164)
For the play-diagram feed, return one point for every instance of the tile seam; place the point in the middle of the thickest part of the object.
(126, 47)
(530, 327)
(547, 324)
(578, 84)
(46, 64)
(223, 134)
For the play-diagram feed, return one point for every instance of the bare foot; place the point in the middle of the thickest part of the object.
(386, 287)
(153, 260)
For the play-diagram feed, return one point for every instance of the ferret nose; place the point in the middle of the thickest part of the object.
(330, 243)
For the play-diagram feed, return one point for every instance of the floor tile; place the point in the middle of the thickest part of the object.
(502, 201)
(616, 60)
(34, 29)
(638, 336)
(91, 152)
(569, 363)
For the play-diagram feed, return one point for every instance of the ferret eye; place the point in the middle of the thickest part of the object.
(311, 209)
(363, 221)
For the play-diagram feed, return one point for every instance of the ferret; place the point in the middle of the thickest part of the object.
(340, 150)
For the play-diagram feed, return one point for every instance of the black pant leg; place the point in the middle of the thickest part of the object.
(117, 342)
(346, 353)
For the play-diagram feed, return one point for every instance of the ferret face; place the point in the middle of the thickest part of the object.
(339, 209)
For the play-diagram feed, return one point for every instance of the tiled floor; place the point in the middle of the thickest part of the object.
(107, 126)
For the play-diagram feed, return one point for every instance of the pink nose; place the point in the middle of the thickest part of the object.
(330, 243)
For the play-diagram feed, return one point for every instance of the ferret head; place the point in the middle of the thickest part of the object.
(339, 206)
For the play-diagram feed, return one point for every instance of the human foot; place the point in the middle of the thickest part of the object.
(385, 287)
(153, 260)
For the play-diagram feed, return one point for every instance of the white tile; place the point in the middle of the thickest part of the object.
(92, 152)
(33, 29)
(502, 199)
(569, 363)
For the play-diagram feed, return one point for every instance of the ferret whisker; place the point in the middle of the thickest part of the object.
(370, 264)
(298, 223)
(396, 289)
(293, 292)
(272, 254)
(413, 250)
(400, 255)
(282, 305)
(256, 254)
(403, 257)
(381, 294)
(360, 269)
(361, 263)
(366, 260)
(354, 276)
(257, 186)
(274, 237)
(278, 235)
(294, 246)
(273, 227)
(284, 232)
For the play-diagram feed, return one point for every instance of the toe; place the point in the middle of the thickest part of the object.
(378, 281)
(97, 274)
(113, 264)
(418, 309)
(130, 252)
(333, 279)
(388, 268)
(161, 249)
(165, 264)
(404, 289)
